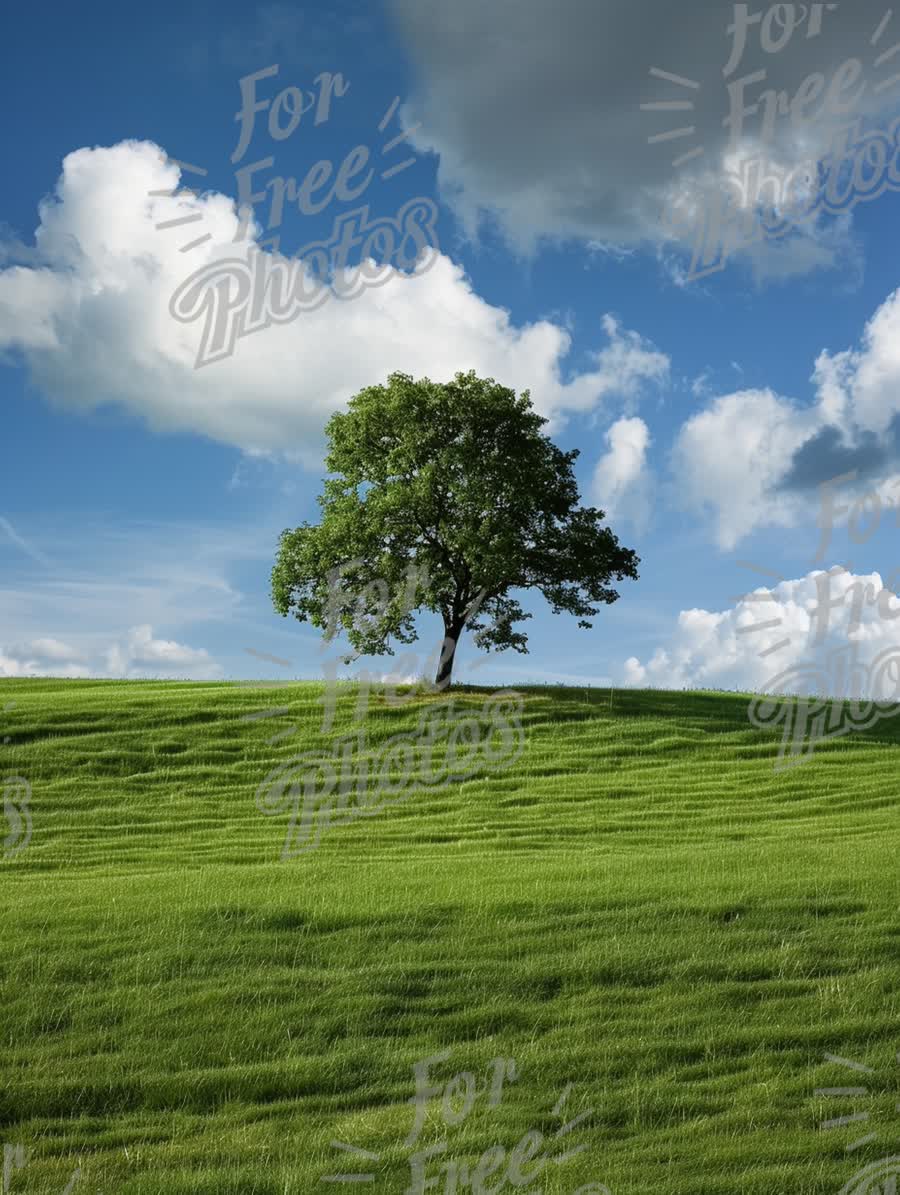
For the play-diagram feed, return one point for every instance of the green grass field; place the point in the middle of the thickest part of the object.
(640, 907)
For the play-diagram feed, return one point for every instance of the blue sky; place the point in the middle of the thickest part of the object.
(142, 498)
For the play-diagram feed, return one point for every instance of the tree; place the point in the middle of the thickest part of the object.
(445, 497)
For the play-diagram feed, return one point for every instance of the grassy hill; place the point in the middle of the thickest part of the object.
(640, 907)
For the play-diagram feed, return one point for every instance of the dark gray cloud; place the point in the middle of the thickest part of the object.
(535, 107)
(827, 455)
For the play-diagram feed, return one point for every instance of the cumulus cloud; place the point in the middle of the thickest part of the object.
(47, 649)
(42, 657)
(790, 638)
(628, 363)
(535, 110)
(785, 451)
(92, 321)
(622, 484)
(92, 614)
(140, 654)
(136, 654)
(731, 457)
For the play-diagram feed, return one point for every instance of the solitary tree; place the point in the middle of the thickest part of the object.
(445, 497)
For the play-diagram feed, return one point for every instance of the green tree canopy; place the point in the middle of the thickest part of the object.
(446, 497)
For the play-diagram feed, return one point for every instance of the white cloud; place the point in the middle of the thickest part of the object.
(628, 363)
(621, 483)
(731, 456)
(700, 387)
(90, 615)
(868, 381)
(781, 639)
(42, 657)
(93, 322)
(140, 654)
(136, 654)
(46, 649)
(738, 457)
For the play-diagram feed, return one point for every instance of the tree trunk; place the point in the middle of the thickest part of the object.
(448, 653)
